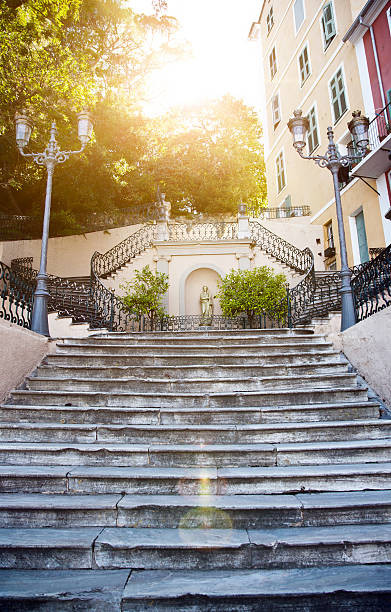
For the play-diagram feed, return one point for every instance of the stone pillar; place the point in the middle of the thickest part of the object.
(243, 223)
(243, 261)
(162, 230)
(162, 266)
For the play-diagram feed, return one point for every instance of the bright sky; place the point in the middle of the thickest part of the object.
(224, 61)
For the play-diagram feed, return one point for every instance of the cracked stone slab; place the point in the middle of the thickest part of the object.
(252, 590)
(47, 548)
(62, 590)
(33, 478)
(209, 511)
(172, 548)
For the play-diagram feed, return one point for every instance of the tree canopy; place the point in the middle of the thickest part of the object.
(60, 56)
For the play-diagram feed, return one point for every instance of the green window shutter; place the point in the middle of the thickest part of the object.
(362, 238)
(328, 23)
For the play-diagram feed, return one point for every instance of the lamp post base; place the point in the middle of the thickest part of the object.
(39, 317)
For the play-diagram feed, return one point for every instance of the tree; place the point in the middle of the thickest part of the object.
(145, 292)
(208, 158)
(254, 292)
(58, 56)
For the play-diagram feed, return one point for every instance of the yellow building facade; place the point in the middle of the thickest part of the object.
(307, 65)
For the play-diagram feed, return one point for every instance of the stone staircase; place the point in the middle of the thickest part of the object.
(224, 471)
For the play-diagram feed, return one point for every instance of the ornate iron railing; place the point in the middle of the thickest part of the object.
(285, 212)
(104, 264)
(14, 227)
(219, 230)
(297, 259)
(379, 127)
(372, 285)
(16, 297)
(197, 323)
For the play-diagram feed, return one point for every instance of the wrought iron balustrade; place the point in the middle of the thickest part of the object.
(380, 127)
(371, 285)
(16, 297)
(219, 230)
(297, 259)
(15, 227)
(284, 212)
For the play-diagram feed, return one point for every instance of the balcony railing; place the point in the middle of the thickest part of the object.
(284, 212)
(380, 127)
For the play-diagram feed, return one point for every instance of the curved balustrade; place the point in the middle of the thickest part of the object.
(16, 297)
(297, 259)
(371, 285)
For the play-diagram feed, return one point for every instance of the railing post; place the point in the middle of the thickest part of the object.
(112, 311)
(288, 303)
(243, 223)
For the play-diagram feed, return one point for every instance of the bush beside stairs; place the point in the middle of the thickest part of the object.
(208, 470)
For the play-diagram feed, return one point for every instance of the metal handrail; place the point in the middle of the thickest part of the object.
(16, 297)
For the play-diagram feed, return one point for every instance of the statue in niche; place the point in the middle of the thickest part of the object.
(206, 306)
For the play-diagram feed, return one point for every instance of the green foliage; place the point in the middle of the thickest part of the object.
(208, 158)
(254, 292)
(144, 294)
(58, 56)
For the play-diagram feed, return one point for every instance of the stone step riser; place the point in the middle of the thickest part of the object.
(205, 372)
(211, 333)
(146, 514)
(217, 360)
(154, 416)
(233, 337)
(144, 456)
(224, 555)
(76, 481)
(265, 398)
(164, 435)
(150, 351)
(216, 385)
(182, 342)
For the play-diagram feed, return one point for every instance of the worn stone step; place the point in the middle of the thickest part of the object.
(283, 397)
(62, 590)
(311, 413)
(167, 338)
(239, 371)
(202, 511)
(209, 333)
(189, 455)
(152, 349)
(41, 548)
(192, 385)
(43, 510)
(261, 358)
(187, 548)
(234, 548)
(194, 481)
(362, 588)
(196, 434)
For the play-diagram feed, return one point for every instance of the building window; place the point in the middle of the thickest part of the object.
(298, 11)
(328, 24)
(313, 137)
(280, 171)
(270, 20)
(276, 114)
(273, 63)
(329, 251)
(362, 238)
(338, 95)
(330, 236)
(304, 65)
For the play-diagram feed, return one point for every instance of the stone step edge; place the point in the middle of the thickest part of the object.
(300, 501)
(188, 381)
(292, 425)
(303, 390)
(194, 589)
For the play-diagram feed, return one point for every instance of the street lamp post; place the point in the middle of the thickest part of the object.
(49, 158)
(332, 160)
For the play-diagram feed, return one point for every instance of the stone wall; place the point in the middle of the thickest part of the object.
(367, 345)
(21, 350)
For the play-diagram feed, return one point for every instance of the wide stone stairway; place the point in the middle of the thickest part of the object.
(208, 470)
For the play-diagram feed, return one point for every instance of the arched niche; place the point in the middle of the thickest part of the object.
(191, 285)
